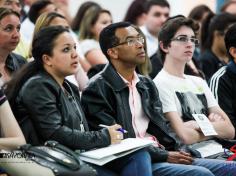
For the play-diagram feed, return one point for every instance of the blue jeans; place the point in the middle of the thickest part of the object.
(200, 167)
(135, 164)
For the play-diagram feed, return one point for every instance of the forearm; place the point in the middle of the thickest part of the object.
(191, 136)
(11, 142)
(76, 139)
(224, 129)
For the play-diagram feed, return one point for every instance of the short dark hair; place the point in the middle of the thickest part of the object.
(170, 27)
(36, 8)
(149, 3)
(108, 39)
(230, 39)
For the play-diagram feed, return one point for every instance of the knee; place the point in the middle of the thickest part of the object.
(142, 155)
(201, 171)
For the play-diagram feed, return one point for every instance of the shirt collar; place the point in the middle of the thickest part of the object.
(232, 66)
(135, 79)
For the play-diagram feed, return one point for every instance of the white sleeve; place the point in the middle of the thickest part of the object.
(211, 101)
(167, 97)
(88, 45)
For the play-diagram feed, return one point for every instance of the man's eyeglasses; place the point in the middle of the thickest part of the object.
(132, 41)
(185, 39)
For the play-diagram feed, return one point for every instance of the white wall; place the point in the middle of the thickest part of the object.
(118, 7)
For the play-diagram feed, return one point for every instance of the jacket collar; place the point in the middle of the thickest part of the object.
(110, 74)
(232, 66)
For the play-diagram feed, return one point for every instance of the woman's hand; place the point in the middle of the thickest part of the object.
(116, 136)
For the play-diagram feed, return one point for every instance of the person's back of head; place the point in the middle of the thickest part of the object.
(80, 14)
(230, 41)
(108, 39)
(215, 24)
(36, 8)
(169, 29)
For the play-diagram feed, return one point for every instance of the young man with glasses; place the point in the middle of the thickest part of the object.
(184, 96)
(119, 95)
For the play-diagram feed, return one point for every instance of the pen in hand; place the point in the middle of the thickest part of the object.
(120, 129)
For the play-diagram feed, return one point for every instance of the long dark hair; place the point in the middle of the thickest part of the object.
(214, 23)
(43, 43)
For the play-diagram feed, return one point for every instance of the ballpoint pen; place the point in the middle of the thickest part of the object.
(120, 129)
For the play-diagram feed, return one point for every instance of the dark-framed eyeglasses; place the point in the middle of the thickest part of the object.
(132, 41)
(184, 39)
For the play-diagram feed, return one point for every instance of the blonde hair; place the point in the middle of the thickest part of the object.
(146, 67)
(90, 18)
(44, 20)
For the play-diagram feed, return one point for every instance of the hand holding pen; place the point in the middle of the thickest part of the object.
(116, 133)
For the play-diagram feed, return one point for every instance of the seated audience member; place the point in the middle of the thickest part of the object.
(156, 13)
(11, 138)
(135, 13)
(55, 19)
(223, 82)
(9, 39)
(183, 95)
(41, 94)
(94, 20)
(213, 52)
(119, 95)
(11, 135)
(76, 23)
(36, 9)
(22, 47)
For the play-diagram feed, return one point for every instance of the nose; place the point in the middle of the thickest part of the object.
(139, 44)
(74, 54)
(16, 34)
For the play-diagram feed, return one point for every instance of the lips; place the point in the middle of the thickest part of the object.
(74, 64)
(142, 54)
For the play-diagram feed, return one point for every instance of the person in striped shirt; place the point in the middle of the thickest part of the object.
(223, 82)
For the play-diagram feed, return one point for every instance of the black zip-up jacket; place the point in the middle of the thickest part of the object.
(106, 101)
(55, 115)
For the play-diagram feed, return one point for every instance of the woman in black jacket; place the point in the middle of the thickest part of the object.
(40, 96)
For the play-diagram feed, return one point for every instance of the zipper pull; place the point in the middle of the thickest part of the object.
(82, 128)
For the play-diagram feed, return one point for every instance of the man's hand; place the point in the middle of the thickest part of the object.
(179, 158)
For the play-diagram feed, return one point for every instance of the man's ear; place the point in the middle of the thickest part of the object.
(113, 53)
(163, 48)
(232, 52)
(47, 60)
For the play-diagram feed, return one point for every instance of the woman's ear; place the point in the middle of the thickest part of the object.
(113, 53)
(47, 60)
(162, 47)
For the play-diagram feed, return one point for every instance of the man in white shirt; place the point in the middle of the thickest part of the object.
(157, 12)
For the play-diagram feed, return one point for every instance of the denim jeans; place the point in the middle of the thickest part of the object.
(135, 164)
(200, 167)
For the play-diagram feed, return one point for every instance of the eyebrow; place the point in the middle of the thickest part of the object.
(131, 36)
(193, 36)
